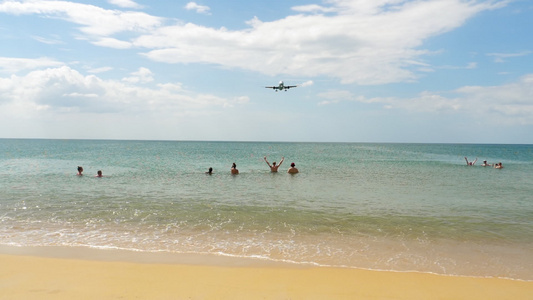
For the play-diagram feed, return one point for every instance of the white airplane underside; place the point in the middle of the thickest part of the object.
(281, 87)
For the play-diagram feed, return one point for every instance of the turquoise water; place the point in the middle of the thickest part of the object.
(378, 206)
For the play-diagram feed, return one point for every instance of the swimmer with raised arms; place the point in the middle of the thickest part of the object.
(274, 167)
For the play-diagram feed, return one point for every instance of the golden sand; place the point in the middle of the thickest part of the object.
(30, 277)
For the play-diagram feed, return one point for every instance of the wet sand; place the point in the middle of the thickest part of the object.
(57, 273)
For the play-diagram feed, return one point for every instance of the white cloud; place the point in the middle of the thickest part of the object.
(80, 95)
(313, 8)
(65, 90)
(99, 70)
(125, 3)
(112, 43)
(365, 42)
(201, 9)
(358, 41)
(50, 41)
(469, 66)
(338, 96)
(15, 65)
(501, 57)
(509, 103)
(143, 75)
(307, 83)
(95, 21)
(335, 96)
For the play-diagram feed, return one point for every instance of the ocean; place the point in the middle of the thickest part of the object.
(398, 207)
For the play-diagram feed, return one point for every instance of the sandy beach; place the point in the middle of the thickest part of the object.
(98, 274)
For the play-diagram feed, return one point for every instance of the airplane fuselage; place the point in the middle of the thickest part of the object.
(281, 87)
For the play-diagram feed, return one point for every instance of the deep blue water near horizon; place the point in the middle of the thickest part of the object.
(378, 206)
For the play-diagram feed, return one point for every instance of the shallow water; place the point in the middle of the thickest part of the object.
(379, 206)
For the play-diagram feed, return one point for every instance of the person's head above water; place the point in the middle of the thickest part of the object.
(234, 169)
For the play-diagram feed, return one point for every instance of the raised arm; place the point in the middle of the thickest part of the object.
(267, 162)
(281, 161)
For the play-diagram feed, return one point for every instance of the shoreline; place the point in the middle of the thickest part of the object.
(140, 257)
(86, 253)
(59, 273)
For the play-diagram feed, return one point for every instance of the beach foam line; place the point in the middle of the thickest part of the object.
(24, 276)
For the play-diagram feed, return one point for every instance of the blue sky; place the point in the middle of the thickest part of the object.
(436, 71)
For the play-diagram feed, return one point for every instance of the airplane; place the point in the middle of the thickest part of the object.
(281, 87)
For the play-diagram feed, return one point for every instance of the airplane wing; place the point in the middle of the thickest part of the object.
(290, 86)
(271, 87)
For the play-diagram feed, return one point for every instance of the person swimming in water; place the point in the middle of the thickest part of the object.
(470, 163)
(210, 171)
(234, 170)
(99, 174)
(292, 169)
(273, 166)
(80, 171)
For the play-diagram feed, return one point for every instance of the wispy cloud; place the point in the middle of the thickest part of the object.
(501, 57)
(338, 96)
(95, 21)
(373, 44)
(73, 95)
(50, 41)
(15, 65)
(143, 75)
(201, 9)
(63, 89)
(313, 8)
(125, 3)
(469, 66)
(307, 83)
(112, 43)
(99, 70)
(509, 103)
(364, 42)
